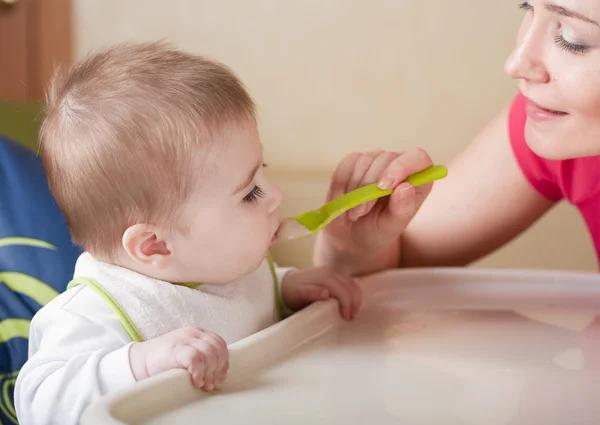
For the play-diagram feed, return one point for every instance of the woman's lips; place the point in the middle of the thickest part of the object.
(540, 113)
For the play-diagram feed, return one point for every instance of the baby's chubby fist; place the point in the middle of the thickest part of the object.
(303, 287)
(203, 354)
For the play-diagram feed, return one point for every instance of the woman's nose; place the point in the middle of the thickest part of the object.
(527, 59)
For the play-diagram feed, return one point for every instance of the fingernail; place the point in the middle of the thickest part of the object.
(386, 182)
(405, 191)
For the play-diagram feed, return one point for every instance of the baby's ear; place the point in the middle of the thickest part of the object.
(144, 245)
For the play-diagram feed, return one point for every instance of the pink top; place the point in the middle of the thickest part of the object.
(576, 180)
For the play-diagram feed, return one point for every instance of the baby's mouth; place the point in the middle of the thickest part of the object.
(276, 234)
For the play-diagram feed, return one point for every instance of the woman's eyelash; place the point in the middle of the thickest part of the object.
(254, 195)
(525, 6)
(577, 49)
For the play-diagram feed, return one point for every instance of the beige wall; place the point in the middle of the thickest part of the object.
(333, 76)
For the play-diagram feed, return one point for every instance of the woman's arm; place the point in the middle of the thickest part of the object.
(483, 203)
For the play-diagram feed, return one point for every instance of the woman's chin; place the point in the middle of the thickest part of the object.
(562, 142)
(546, 145)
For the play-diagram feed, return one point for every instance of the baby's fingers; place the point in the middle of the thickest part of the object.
(338, 290)
(221, 352)
(211, 360)
(353, 293)
(311, 293)
(191, 359)
(356, 295)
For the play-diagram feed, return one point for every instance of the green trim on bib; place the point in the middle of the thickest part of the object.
(187, 285)
(126, 321)
(276, 284)
(117, 309)
(278, 304)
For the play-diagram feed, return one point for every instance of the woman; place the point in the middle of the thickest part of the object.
(542, 148)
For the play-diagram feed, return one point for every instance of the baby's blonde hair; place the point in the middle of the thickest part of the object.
(122, 132)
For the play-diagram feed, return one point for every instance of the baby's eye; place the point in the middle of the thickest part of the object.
(254, 195)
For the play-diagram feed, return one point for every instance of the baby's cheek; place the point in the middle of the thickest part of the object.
(259, 226)
(250, 240)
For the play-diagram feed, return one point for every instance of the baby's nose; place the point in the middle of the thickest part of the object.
(277, 198)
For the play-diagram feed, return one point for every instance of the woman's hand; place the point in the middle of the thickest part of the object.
(367, 238)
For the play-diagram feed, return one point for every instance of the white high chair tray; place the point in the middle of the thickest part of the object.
(429, 347)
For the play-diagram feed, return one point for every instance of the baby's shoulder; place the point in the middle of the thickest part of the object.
(80, 301)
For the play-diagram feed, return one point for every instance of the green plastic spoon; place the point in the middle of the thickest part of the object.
(313, 221)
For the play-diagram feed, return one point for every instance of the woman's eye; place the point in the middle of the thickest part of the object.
(525, 6)
(577, 49)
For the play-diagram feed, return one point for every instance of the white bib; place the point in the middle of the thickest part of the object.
(150, 307)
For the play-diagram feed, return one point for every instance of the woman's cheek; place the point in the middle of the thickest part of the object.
(580, 87)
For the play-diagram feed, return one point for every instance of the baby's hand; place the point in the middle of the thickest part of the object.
(203, 354)
(303, 287)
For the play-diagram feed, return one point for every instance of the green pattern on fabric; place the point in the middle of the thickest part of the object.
(14, 328)
(6, 404)
(27, 285)
(13, 241)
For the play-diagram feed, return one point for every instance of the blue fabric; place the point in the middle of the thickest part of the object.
(27, 210)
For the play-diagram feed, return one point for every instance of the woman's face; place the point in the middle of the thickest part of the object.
(557, 63)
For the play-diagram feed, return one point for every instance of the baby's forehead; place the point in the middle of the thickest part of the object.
(240, 143)
(233, 156)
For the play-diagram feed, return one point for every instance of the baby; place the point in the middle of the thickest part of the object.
(154, 157)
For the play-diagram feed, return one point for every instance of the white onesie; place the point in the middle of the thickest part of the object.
(79, 343)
